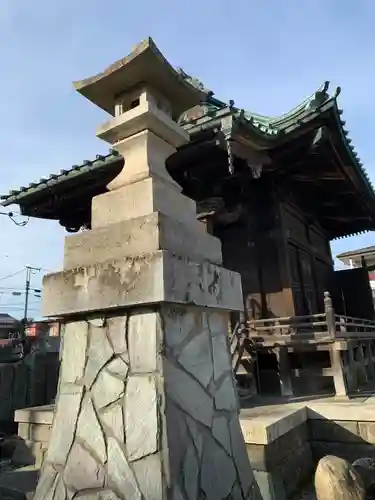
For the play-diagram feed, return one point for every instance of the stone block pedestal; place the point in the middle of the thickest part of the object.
(147, 408)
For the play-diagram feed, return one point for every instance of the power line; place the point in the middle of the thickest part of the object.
(11, 275)
(11, 216)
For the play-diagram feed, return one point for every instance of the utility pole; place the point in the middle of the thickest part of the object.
(29, 271)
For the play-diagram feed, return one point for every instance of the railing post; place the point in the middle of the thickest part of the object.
(330, 314)
(337, 365)
(285, 380)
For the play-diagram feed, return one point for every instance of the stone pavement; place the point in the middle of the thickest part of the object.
(361, 407)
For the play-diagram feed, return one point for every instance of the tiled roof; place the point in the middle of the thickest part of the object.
(268, 129)
(100, 161)
(6, 319)
(357, 253)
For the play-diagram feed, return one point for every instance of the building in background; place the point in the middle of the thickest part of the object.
(362, 257)
(8, 326)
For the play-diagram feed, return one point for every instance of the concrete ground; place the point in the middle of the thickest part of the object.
(331, 407)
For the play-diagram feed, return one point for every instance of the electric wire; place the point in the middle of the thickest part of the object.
(12, 216)
(11, 275)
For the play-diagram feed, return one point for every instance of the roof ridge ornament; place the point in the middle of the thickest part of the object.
(337, 92)
(194, 82)
(318, 98)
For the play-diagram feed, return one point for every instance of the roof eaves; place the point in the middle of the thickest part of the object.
(16, 196)
(353, 155)
(356, 253)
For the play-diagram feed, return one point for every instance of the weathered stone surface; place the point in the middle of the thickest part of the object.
(34, 432)
(239, 455)
(190, 471)
(74, 351)
(220, 431)
(218, 322)
(236, 493)
(46, 481)
(113, 420)
(116, 331)
(82, 471)
(226, 395)
(177, 493)
(106, 389)
(89, 430)
(143, 340)
(148, 472)
(367, 431)
(149, 233)
(270, 485)
(60, 492)
(178, 326)
(197, 434)
(196, 356)
(221, 355)
(99, 353)
(63, 431)
(177, 434)
(192, 399)
(336, 479)
(120, 476)
(95, 495)
(118, 368)
(156, 278)
(141, 419)
(217, 473)
(108, 495)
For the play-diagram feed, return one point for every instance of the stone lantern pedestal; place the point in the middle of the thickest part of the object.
(147, 406)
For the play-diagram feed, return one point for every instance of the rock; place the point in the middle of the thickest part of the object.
(337, 479)
(8, 446)
(366, 469)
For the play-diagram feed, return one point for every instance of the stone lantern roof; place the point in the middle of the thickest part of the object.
(144, 63)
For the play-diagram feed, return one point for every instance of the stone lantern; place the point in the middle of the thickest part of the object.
(147, 406)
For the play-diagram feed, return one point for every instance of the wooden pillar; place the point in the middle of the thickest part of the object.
(337, 364)
(369, 362)
(338, 371)
(361, 364)
(352, 367)
(284, 371)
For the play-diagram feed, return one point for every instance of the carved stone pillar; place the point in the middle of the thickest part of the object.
(147, 406)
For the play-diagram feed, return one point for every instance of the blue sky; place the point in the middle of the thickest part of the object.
(267, 56)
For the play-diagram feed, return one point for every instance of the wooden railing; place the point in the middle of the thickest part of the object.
(352, 363)
(323, 326)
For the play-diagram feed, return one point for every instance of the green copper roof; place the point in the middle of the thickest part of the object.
(100, 161)
(267, 130)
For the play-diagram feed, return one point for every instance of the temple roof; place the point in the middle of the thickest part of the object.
(357, 253)
(319, 111)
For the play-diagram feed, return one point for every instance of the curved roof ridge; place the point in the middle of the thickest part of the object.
(319, 96)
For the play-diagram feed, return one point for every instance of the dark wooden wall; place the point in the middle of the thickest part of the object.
(308, 257)
(284, 259)
(352, 294)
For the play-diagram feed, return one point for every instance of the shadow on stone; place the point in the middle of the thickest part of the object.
(11, 494)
